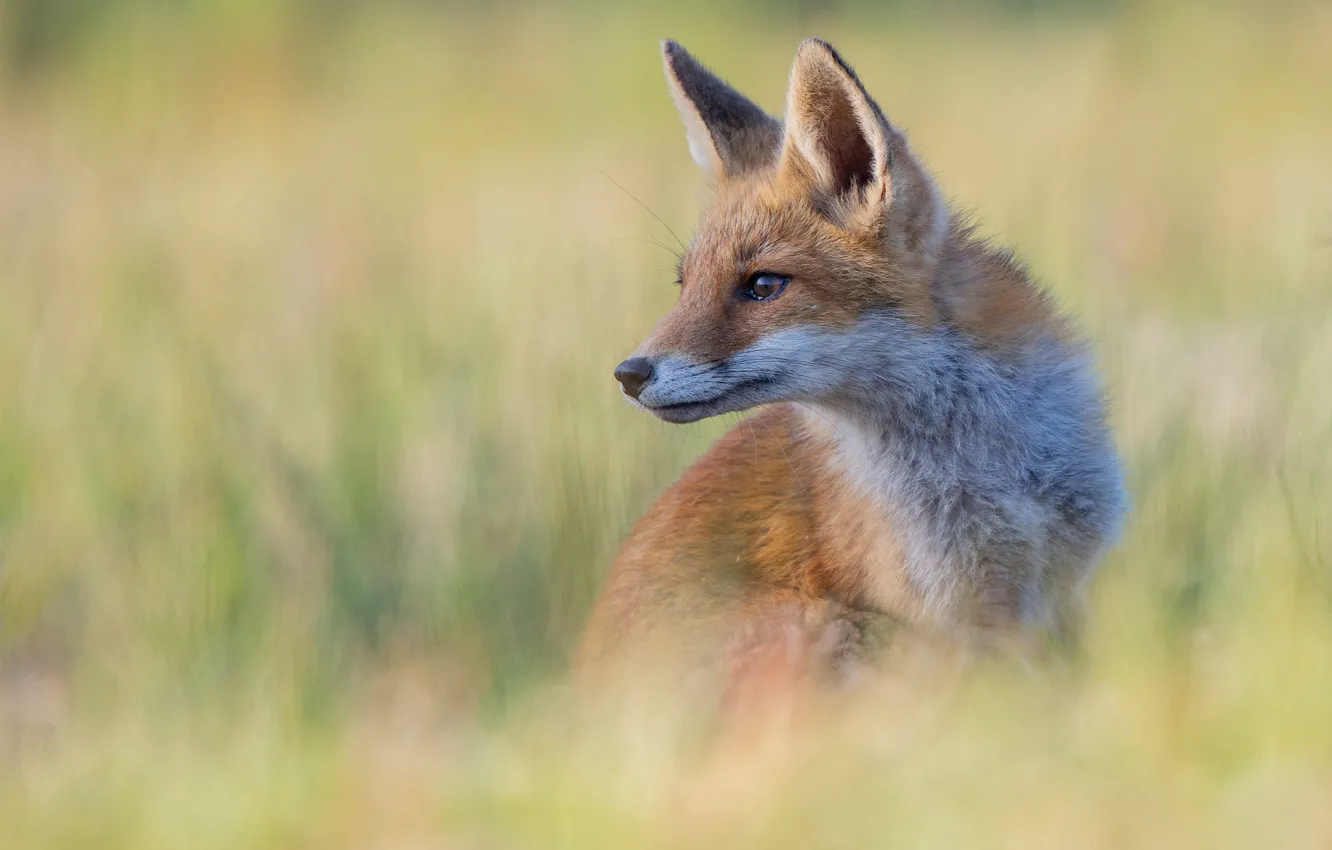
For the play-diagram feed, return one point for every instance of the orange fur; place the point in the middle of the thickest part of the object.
(769, 526)
(743, 535)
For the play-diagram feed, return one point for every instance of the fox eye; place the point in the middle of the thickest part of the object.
(764, 286)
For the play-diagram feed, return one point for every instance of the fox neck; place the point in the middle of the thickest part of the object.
(952, 444)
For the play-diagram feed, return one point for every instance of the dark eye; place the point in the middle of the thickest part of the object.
(764, 286)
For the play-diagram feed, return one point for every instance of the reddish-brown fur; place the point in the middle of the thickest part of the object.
(765, 523)
(742, 533)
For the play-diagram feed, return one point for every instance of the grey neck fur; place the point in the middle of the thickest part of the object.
(999, 477)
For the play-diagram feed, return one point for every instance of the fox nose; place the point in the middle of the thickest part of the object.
(633, 374)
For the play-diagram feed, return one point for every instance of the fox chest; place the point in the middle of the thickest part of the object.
(870, 536)
(864, 551)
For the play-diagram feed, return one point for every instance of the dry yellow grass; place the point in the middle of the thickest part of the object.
(310, 459)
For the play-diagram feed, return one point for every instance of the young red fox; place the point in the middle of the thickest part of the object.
(934, 448)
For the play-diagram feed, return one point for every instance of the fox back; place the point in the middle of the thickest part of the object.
(933, 446)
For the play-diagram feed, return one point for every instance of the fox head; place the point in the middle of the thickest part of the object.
(813, 261)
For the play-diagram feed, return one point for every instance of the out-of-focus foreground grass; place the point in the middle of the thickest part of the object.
(311, 462)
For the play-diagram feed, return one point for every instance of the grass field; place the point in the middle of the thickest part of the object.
(311, 460)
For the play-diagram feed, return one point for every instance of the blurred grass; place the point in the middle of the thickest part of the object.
(310, 462)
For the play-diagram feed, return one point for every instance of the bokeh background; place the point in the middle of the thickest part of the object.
(311, 461)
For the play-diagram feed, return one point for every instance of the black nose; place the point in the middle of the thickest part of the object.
(633, 374)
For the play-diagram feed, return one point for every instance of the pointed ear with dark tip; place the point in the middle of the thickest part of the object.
(728, 134)
(833, 127)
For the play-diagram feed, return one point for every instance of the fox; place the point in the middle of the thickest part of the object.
(931, 446)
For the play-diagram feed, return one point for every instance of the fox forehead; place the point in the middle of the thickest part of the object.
(761, 225)
(741, 231)
(749, 231)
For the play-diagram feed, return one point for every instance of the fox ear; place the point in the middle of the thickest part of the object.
(727, 132)
(838, 139)
(833, 126)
